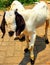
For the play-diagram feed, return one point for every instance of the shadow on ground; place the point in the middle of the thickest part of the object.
(38, 47)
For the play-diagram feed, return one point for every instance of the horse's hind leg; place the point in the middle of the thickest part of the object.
(46, 30)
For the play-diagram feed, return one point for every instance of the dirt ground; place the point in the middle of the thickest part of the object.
(12, 52)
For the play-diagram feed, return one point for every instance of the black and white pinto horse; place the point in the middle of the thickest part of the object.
(32, 19)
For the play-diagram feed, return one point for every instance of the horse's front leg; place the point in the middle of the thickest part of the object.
(31, 47)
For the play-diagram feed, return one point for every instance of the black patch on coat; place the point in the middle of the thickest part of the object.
(19, 22)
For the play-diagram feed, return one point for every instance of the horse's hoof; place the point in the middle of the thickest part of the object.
(26, 50)
(32, 61)
(46, 41)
